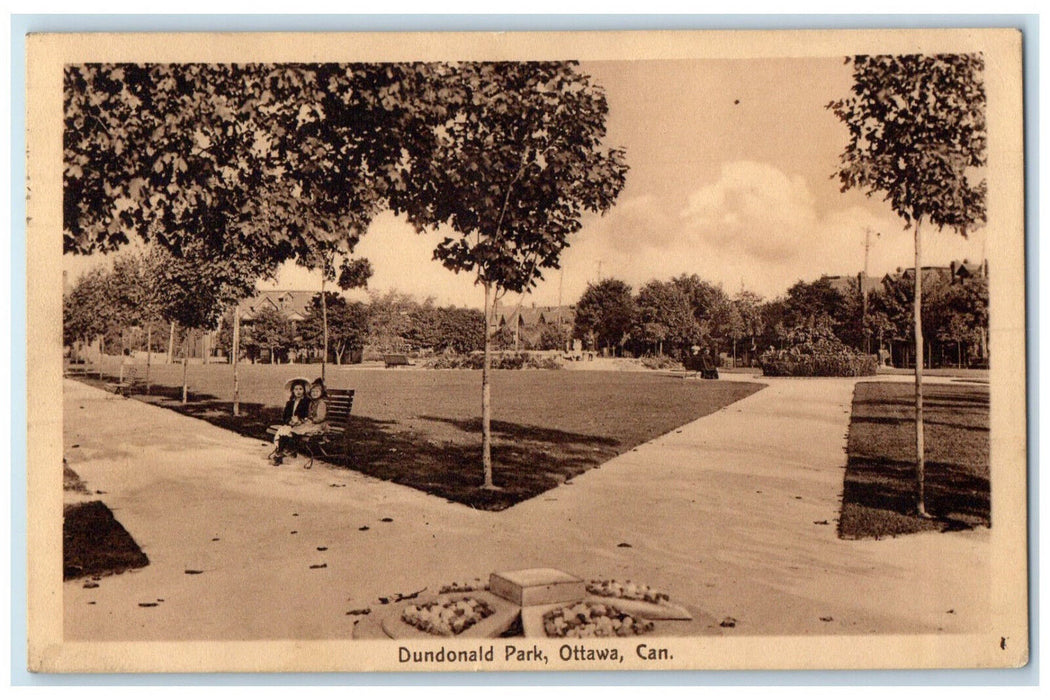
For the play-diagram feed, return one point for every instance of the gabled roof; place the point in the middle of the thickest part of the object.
(968, 270)
(929, 272)
(847, 284)
(294, 304)
(531, 316)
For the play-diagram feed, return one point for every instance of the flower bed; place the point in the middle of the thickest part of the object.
(627, 590)
(584, 620)
(447, 618)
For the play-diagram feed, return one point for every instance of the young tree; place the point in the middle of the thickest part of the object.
(273, 331)
(261, 163)
(459, 330)
(513, 158)
(605, 312)
(347, 325)
(918, 136)
(89, 311)
(745, 319)
(665, 318)
(710, 307)
(553, 337)
(390, 320)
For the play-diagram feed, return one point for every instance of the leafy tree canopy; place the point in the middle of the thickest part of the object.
(284, 160)
(607, 311)
(917, 135)
(509, 156)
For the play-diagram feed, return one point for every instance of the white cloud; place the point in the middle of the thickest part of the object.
(755, 225)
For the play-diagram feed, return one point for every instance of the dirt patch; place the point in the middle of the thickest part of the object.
(94, 543)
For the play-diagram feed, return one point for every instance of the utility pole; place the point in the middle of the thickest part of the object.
(862, 284)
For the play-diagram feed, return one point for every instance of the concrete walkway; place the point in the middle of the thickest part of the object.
(733, 514)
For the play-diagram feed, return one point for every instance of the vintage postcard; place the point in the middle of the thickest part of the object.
(526, 351)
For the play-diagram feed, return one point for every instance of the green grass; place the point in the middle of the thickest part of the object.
(422, 428)
(879, 493)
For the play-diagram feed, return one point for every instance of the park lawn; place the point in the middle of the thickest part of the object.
(879, 492)
(422, 428)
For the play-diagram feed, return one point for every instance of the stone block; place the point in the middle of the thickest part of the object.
(537, 586)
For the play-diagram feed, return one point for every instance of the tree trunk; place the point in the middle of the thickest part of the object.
(171, 344)
(324, 324)
(920, 438)
(486, 394)
(149, 353)
(101, 354)
(185, 392)
(235, 350)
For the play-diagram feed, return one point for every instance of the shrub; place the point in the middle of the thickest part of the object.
(505, 360)
(660, 362)
(817, 358)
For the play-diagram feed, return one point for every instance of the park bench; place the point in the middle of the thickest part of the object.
(699, 364)
(126, 384)
(327, 443)
(397, 360)
(77, 368)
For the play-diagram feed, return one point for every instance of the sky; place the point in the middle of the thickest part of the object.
(731, 164)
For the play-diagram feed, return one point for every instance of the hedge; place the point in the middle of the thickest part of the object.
(499, 361)
(820, 359)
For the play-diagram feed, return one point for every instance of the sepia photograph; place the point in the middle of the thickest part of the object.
(526, 351)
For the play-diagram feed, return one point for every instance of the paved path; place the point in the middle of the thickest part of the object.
(727, 514)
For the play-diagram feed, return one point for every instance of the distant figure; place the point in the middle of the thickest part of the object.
(316, 420)
(296, 409)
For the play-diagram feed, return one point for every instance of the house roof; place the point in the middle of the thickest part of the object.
(294, 304)
(967, 269)
(957, 271)
(846, 284)
(536, 315)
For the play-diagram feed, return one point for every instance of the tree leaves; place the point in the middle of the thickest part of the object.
(509, 156)
(918, 135)
(605, 313)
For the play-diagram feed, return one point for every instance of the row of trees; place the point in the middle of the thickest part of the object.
(257, 164)
(106, 305)
(666, 317)
(672, 317)
(387, 323)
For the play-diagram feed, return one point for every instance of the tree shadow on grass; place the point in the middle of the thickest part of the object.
(527, 460)
(934, 397)
(886, 420)
(879, 490)
(951, 492)
(518, 432)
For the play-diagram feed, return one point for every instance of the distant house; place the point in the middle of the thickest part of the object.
(292, 304)
(954, 273)
(852, 284)
(533, 317)
(901, 354)
(967, 270)
(529, 322)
